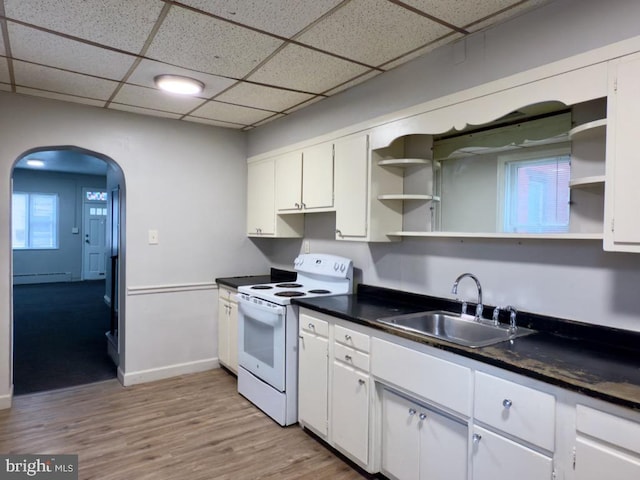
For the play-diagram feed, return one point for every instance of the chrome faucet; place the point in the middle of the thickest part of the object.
(512, 319)
(454, 290)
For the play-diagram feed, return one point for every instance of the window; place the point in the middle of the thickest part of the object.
(34, 221)
(536, 198)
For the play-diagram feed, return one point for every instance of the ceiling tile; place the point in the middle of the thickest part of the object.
(303, 69)
(215, 123)
(47, 49)
(258, 96)
(5, 87)
(202, 43)
(372, 31)
(4, 71)
(123, 24)
(518, 9)
(352, 83)
(282, 17)
(422, 51)
(60, 96)
(2, 50)
(231, 113)
(143, 111)
(148, 69)
(155, 99)
(35, 76)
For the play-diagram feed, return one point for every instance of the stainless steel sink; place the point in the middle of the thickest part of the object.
(452, 327)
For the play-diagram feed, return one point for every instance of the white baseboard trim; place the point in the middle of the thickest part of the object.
(151, 375)
(5, 400)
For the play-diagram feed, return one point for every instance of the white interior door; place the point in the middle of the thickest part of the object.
(94, 259)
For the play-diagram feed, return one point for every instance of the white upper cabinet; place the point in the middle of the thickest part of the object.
(351, 180)
(622, 196)
(304, 180)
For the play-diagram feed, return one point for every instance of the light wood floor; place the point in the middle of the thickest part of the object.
(193, 427)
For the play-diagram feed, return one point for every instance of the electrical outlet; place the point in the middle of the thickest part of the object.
(153, 237)
(307, 248)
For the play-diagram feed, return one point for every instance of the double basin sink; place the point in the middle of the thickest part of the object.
(455, 328)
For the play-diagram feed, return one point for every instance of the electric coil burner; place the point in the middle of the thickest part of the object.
(268, 332)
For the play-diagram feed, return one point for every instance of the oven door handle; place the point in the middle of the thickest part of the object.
(264, 314)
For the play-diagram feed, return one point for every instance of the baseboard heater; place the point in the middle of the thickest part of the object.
(25, 278)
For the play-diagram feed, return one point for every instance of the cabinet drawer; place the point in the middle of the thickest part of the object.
(614, 430)
(227, 294)
(352, 339)
(439, 381)
(351, 357)
(314, 325)
(520, 411)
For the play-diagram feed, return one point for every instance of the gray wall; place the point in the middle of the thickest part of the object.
(68, 256)
(568, 279)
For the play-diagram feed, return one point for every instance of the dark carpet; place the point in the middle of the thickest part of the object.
(59, 336)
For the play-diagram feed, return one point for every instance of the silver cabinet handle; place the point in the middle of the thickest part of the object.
(476, 438)
(347, 337)
(339, 233)
(506, 403)
(297, 205)
(423, 416)
(312, 326)
(304, 205)
(347, 357)
(361, 381)
(412, 411)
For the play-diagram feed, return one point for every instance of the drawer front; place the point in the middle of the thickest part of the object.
(227, 294)
(352, 339)
(314, 325)
(351, 357)
(520, 411)
(439, 381)
(614, 430)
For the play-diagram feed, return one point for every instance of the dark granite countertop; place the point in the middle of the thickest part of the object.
(276, 275)
(600, 362)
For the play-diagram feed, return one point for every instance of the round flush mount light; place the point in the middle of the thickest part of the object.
(179, 85)
(34, 162)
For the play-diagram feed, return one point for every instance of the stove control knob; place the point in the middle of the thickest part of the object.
(336, 267)
(342, 267)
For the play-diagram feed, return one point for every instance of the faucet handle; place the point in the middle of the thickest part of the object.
(512, 318)
(496, 316)
(464, 308)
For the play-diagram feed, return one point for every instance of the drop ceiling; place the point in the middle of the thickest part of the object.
(259, 59)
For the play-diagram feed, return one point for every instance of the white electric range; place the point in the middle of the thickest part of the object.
(268, 332)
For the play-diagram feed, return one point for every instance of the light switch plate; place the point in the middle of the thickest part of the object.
(75, 230)
(153, 237)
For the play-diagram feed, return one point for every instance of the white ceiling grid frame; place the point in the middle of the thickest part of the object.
(307, 70)
(44, 48)
(144, 111)
(199, 42)
(259, 96)
(232, 113)
(372, 31)
(51, 79)
(59, 96)
(121, 24)
(280, 17)
(215, 123)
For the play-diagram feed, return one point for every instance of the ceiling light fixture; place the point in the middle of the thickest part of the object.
(179, 85)
(33, 162)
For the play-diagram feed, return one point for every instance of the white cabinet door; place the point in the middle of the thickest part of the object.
(233, 337)
(313, 370)
(400, 437)
(596, 462)
(289, 182)
(223, 331)
(317, 176)
(350, 411)
(351, 180)
(622, 196)
(260, 198)
(443, 447)
(497, 458)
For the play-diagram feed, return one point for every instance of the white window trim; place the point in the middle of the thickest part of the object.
(57, 221)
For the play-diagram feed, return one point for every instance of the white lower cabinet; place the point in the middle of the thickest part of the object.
(228, 328)
(313, 369)
(350, 393)
(607, 446)
(419, 443)
(495, 457)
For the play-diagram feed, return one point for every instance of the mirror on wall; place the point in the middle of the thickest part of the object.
(530, 172)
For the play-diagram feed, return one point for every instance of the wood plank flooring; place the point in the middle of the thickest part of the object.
(192, 427)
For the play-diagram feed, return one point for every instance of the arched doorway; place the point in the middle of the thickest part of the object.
(67, 220)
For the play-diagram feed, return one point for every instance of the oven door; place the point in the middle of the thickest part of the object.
(261, 340)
